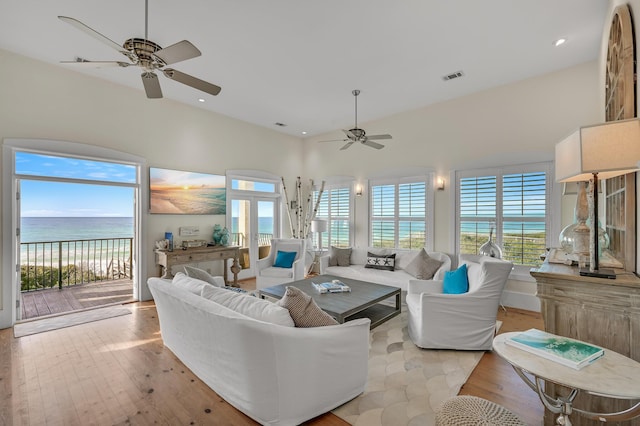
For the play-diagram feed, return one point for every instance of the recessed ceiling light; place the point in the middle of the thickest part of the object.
(304, 133)
(200, 100)
(559, 41)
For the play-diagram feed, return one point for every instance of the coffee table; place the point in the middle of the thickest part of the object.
(362, 302)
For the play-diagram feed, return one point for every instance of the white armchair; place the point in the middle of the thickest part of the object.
(458, 321)
(268, 275)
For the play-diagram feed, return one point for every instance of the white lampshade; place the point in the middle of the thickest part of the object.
(318, 225)
(610, 149)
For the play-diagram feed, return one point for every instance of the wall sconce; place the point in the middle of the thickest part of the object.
(440, 183)
(358, 190)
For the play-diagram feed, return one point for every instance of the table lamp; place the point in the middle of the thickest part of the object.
(596, 152)
(319, 226)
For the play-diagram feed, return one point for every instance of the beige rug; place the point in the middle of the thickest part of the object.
(406, 384)
(68, 320)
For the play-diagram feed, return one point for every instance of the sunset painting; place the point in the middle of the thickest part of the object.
(179, 192)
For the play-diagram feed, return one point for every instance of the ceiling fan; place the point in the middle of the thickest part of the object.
(359, 135)
(149, 56)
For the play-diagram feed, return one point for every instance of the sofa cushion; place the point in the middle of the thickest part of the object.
(385, 262)
(303, 309)
(456, 282)
(284, 259)
(203, 275)
(423, 266)
(193, 285)
(339, 256)
(274, 272)
(253, 307)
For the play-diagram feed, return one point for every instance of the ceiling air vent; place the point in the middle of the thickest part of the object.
(453, 75)
(280, 124)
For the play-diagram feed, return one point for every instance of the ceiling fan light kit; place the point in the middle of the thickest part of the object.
(359, 135)
(149, 56)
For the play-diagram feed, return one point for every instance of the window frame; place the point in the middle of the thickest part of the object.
(428, 180)
(552, 203)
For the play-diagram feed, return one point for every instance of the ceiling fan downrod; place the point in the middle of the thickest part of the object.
(355, 93)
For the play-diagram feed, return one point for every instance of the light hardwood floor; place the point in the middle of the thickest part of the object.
(118, 372)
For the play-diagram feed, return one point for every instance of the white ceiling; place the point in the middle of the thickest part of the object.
(297, 61)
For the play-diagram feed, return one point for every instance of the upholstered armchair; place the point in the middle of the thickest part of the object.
(464, 321)
(270, 270)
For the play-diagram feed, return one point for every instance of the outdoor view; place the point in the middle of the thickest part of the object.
(73, 232)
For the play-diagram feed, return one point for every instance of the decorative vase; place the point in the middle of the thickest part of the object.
(224, 236)
(490, 248)
(217, 234)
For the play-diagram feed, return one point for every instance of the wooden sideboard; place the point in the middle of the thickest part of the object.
(601, 311)
(166, 259)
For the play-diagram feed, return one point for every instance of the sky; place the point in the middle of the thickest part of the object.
(61, 199)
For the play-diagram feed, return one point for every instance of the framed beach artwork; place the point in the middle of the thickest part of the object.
(180, 192)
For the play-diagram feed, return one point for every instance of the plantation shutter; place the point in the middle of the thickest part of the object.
(335, 208)
(524, 217)
(411, 215)
(383, 213)
(477, 212)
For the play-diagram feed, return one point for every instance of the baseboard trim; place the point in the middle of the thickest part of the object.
(526, 301)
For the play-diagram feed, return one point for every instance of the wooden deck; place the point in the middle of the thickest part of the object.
(54, 301)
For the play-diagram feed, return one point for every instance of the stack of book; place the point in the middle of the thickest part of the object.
(564, 350)
(334, 286)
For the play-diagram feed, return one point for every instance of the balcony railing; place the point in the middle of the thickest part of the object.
(239, 239)
(61, 264)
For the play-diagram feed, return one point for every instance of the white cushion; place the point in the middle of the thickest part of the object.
(203, 275)
(277, 272)
(192, 285)
(253, 307)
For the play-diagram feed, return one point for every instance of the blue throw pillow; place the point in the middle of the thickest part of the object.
(284, 259)
(456, 282)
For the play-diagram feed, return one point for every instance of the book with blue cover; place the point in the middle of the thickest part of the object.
(334, 286)
(564, 350)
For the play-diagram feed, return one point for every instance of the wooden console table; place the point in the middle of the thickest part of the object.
(600, 311)
(166, 259)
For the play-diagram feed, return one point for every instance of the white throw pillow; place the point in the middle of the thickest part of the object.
(245, 304)
(203, 275)
(190, 284)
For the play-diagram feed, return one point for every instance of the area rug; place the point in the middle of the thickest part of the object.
(406, 384)
(68, 320)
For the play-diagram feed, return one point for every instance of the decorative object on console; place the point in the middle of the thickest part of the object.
(574, 238)
(180, 192)
(598, 152)
(220, 235)
(490, 248)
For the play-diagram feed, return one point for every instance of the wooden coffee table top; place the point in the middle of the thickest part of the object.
(340, 305)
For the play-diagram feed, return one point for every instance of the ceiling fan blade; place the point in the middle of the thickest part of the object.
(181, 51)
(379, 137)
(347, 145)
(95, 64)
(151, 85)
(192, 81)
(93, 33)
(373, 144)
(335, 140)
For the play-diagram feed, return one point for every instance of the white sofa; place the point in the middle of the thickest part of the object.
(397, 278)
(275, 374)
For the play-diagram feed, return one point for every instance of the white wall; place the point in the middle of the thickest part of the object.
(515, 123)
(38, 100)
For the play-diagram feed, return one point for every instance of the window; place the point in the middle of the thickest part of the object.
(510, 203)
(335, 208)
(400, 214)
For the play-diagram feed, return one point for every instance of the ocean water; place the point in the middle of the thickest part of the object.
(40, 229)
